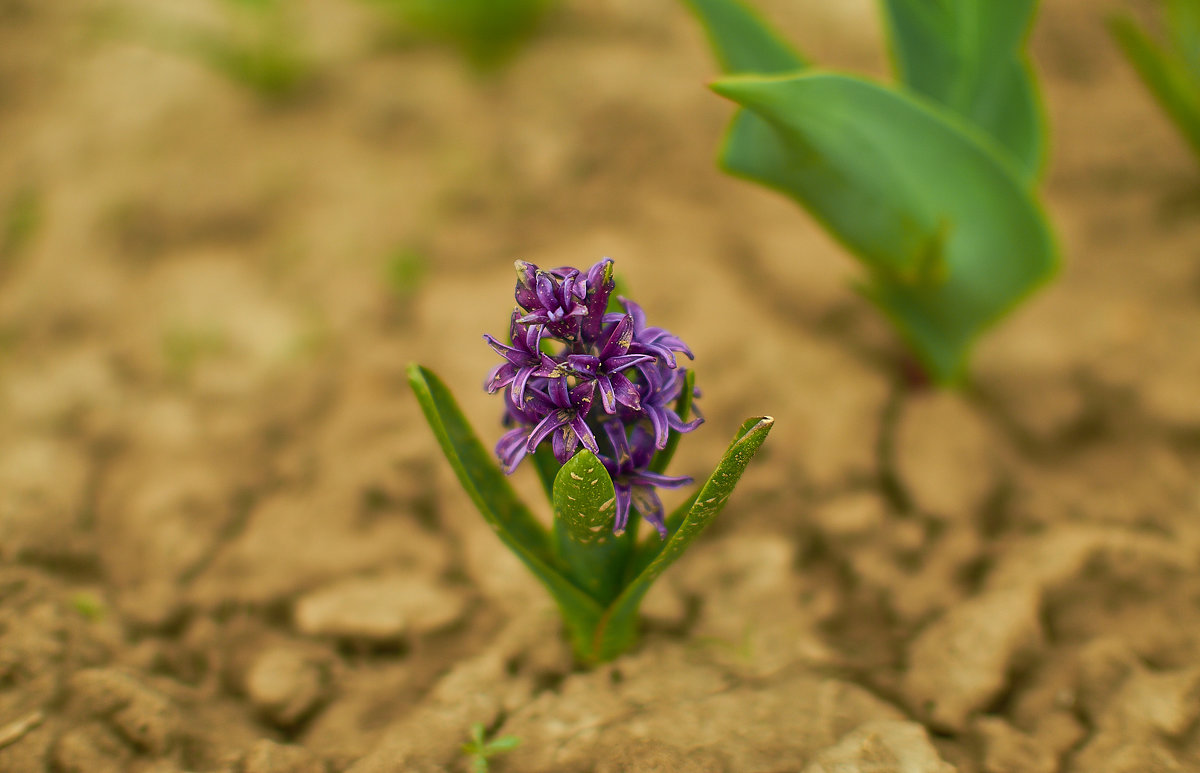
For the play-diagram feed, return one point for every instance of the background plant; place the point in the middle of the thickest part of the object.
(257, 46)
(1170, 69)
(930, 183)
(486, 32)
(575, 376)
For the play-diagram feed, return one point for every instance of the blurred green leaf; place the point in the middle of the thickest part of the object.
(969, 56)
(1165, 72)
(742, 41)
(1183, 25)
(618, 627)
(951, 234)
(21, 222)
(486, 32)
(405, 272)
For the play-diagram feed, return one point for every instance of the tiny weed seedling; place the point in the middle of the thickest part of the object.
(21, 223)
(930, 183)
(487, 33)
(256, 47)
(598, 400)
(1170, 70)
(404, 273)
(479, 749)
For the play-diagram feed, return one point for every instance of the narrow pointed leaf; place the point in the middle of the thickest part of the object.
(617, 628)
(742, 41)
(970, 57)
(950, 232)
(489, 489)
(1166, 75)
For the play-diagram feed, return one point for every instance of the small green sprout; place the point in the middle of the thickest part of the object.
(256, 47)
(183, 347)
(89, 606)
(1170, 70)
(488, 33)
(479, 748)
(21, 223)
(405, 271)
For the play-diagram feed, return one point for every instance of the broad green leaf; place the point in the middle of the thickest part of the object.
(584, 509)
(742, 41)
(969, 56)
(950, 232)
(683, 407)
(618, 627)
(488, 488)
(1166, 76)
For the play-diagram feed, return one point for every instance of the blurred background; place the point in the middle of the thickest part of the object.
(226, 226)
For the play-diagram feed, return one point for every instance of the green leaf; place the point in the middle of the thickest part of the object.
(969, 56)
(584, 509)
(504, 743)
(1183, 25)
(618, 627)
(487, 32)
(950, 232)
(683, 407)
(742, 41)
(489, 489)
(1165, 74)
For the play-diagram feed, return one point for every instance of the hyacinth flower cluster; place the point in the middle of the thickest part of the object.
(597, 399)
(612, 382)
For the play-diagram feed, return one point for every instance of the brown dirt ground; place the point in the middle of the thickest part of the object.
(228, 543)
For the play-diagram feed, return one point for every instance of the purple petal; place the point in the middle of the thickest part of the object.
(518, 384)
(526, 282)
(553, 421)
(616, 437)
(560, 393)
(622, 519)
(658, 418)
(511, 448)
(500, 377)
(584, 364)
(608, 397)
(545, 292)
(626, 392)
(647, 478)
(618, 339)
(565, 442)
(584, 433)
(615, 364)
(650, 507)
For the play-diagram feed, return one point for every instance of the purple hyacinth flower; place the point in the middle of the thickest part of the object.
(551, 298)
(514, 444)
(599, 285)
(651, 340)
(605, 367)
(633, 481)
(566, 420)
(663, 387)
(524, 358)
